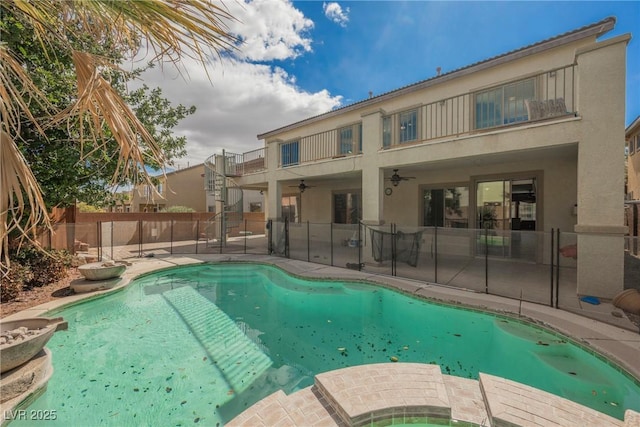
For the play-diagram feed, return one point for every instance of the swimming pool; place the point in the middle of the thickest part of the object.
(199, 344)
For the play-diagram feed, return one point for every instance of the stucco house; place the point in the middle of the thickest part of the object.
(532, 139)
(180, 187)
(632, 135)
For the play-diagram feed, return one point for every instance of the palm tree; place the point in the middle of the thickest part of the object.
(172, 29)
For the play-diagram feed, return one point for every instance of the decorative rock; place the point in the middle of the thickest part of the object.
(23, 339)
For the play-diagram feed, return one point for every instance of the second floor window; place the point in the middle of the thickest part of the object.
(289, 153)
(634, 144)
(408, 122)
(503, 105)
(386, 131)
(350, 139)
(400, 128)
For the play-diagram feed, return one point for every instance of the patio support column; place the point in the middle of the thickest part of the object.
(273, 200)
(372, 193)
(600, 227)
(273, 196)
(372, 175)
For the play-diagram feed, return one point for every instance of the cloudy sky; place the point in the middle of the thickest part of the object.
(302, 58)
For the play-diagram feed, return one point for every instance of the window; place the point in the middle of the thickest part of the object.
(408, 126)
(386, 131)
(503, 105)
(289, 153)
(446, 207)
(346, 208)
(289, 208)
(348, 138)
(400, 128)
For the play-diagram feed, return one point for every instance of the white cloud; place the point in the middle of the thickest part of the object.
(239, 99)
(335, 13)
(270, 29)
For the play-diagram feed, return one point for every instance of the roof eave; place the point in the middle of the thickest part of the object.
(632, 128)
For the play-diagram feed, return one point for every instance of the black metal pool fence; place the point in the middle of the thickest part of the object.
(531, 266)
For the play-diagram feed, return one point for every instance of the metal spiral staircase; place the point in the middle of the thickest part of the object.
(219, 170)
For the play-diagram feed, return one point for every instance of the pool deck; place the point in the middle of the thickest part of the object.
(614, 336)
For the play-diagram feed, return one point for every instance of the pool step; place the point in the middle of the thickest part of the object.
(417, 393)
(240, 360)
(511, 403)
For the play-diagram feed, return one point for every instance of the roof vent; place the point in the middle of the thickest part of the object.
(438, 70)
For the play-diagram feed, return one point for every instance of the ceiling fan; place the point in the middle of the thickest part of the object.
(396, 178)
(302, 186)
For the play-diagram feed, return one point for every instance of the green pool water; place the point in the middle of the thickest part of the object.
(197, 345)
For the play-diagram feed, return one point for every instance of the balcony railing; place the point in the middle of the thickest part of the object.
(239, 164)
(539, 97)
(335, 143)
(544, 96)
(254, 161)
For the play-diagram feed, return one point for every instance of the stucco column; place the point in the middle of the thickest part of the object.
(601, 106)
(274, 200)
(372, 175)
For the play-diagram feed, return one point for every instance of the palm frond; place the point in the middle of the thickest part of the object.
(173, 29)
(99, 105)
(21, 204)
(17, 92)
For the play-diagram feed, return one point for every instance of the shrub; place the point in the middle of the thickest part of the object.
(46, 266)
(13, 282)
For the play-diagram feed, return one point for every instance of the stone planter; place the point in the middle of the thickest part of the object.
(101, 270)
(628, 300)
(30, 334)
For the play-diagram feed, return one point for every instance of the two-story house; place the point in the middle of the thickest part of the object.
(532, 139)
(180, 187)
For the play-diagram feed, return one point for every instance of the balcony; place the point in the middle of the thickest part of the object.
(238, 164)
(546, 96)
(335, 143)
(536, 98)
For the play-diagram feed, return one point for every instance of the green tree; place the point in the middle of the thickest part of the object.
(96, 116)
(64, 171)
